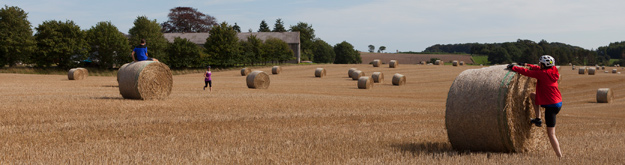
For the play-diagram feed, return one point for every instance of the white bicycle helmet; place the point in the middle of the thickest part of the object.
(547, 60)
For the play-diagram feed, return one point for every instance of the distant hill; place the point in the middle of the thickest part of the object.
(413, 58)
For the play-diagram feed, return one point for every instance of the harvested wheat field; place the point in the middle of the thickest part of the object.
(300, 119)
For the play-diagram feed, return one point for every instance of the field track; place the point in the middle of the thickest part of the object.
(299, 119)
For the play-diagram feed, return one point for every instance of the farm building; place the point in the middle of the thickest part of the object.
(291, 38)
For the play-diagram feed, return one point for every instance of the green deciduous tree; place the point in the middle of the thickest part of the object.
(16, 40)
(264, 27)
(108, 45)
(371, 48)
(324, 52)
(279, 26)
(381, 49)
(223, 45)
(150, 31)
(60, 43)
(252, 50)
(236, 28)
(277, 50)
(307, 34)
(183, 53)
(346, 54)
(187, 19)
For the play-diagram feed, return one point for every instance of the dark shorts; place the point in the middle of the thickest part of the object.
(208, 83)
(550, 115)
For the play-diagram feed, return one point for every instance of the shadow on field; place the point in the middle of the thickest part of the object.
(111, 86)
(426, 147)
(108, 98)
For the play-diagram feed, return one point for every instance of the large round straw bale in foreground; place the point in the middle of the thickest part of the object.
(591, 70)
(276, 70)
(77, 74)
(365, 83)
(377, 63)
(604, 95)
(582, 70)
(357, 74)
(393, 64)
(350, 71)
(378, 77)
(245, 71)
(399, 79)
(258, 80)
(145, 80)
(489, 109)
(320, 72)
(454, 62)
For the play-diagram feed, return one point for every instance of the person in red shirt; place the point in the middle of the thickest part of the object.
(547, 94)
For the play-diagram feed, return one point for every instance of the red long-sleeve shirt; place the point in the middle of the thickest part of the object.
(547, 91)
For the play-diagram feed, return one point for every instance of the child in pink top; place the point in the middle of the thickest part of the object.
(207, 79)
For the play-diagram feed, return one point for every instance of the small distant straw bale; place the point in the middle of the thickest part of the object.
(454, 62)
(399, 79)
(245, 71)
(357, 74)
(378, 77)
(77, 74)
(461, 63)
(582, 70)
(276, 70)
(439, 62)
(377, 63)
(591, 70)
(614, 70)
(320, 72)
(393, 64)
(258, 80)
(365, 83)
(350, 71)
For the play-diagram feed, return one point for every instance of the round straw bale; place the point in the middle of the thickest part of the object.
(357, 74)
(454, 62)
(439, 62)
(276, 70)
(582, 70)
(245, 71)
(489, 109)
(399, 79)
(602, 67)
(461, 63)
(320, 72)
(365, 82)
(378, 77)
(591, 70)
(86, 72)
(350, 71)
(77, 74)
(606, 71)
(614, 70)
(377, 63)
(393, 64)
(145, 80)
(604, 95)
(258, 80)
(573, 67)
(424, 63)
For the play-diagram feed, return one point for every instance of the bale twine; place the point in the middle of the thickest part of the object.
(145, 80)
(582, 70)
(489, 109)
(77, 74)
(320, 72)
(604, 95)
(365, 83)
(461, 63)
(378, 77)
(276, 70)
(350, 71)
(357, 74)
(393, 64)
(258, 80)
(245, 71)
(614, 70)
(377, 63)
(399, 79)
(591, 70)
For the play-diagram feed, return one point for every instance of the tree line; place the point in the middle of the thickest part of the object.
(65, 45)
(530, 51)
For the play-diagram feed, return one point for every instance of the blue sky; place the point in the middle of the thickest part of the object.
(404, 25)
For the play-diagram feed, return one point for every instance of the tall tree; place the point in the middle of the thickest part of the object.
(277, 50)
(150, 31)
(236, 28)
(264, 27)
(60, 43)
(108, 45)
(187, 19)
(183, 53)
(307, 34)
(381, 49)
(223, 45)
(324, 52)
(371, 48)
(16, 41)
(252, 50)
(279, 26)
(346, 54)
